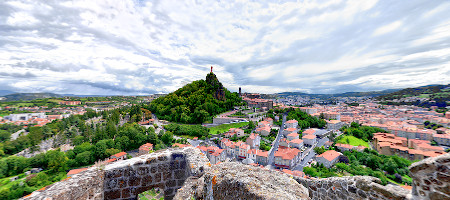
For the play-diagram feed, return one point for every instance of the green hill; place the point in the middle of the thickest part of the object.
(434, 95)
(29, 96)
(196, 102)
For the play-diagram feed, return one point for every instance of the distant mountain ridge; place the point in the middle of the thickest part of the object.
(6, 92)
(29, 96)
(432, 92)
(346, 94)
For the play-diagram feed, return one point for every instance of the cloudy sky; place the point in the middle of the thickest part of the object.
(144, 47)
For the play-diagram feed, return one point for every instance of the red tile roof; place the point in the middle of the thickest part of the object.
(330, 155)
(76, 171)
(119, 154)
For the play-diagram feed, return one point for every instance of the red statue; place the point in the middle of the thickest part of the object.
(211, 69)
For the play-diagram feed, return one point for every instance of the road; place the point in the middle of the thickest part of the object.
(310, 154)
(277, 140)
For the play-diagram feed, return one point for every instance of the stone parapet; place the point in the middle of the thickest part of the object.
(125, 179)
(431, 178)
(352, 187)
(239, 181)
(186, 174)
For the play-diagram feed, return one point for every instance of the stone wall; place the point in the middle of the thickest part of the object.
(186, 174)
(125, 179)
(431, 178)
(238, 181)
(352, 187)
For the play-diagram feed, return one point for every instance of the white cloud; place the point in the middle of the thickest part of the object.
(130, 47)
(388, 28)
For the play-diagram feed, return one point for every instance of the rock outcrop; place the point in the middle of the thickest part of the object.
(431, 178)
(238, 181)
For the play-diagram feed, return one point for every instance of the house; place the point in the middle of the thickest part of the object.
(251, 154)
(253, 141)
(119, 156)
(328, 144)
(309, 131)
(344, 147)
(219, 155)
(284, 143)
(145, 148)
(296, 143)
(286, 158)
(234, 131)
(328, 158)
(334, 124)
(261, 157)
(288, 131)
(292, 136)
(223, 142)
(264, 131)
(181, 145)
(309, 140)
(229, 146)
(243, 149)
(292, 124)
(270, 120)
(263, 123)
(203, 149)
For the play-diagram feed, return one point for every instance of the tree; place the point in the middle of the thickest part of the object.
(167, 138)
(343, 159)
(57, 160)
(84, 158)
(111, 151)
(319, 150)
(251, 125)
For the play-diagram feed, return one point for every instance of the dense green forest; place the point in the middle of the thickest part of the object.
(196, 102)
(95, 135)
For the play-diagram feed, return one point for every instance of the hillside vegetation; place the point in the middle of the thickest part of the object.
(436, 95)
(196, 102)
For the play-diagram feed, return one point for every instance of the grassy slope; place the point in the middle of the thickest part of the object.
(225, 127)
(353, 141)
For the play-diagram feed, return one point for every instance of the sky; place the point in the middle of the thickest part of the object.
(118, 47)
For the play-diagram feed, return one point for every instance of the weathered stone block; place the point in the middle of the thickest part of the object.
(147, 180)
(112, 194)
(443, 177)
(151, 160)
(167, 175)
(111, 184)
(143, 170)
(171, 183)
(180, 174)
(122, 183)
(126, 193)
(163, 158)
(134, 181)
(157, 178)
(153, 169)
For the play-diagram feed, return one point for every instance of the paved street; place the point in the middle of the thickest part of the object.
(310, 155)
(277, 140)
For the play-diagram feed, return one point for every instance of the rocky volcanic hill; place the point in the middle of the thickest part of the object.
(195, 102)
